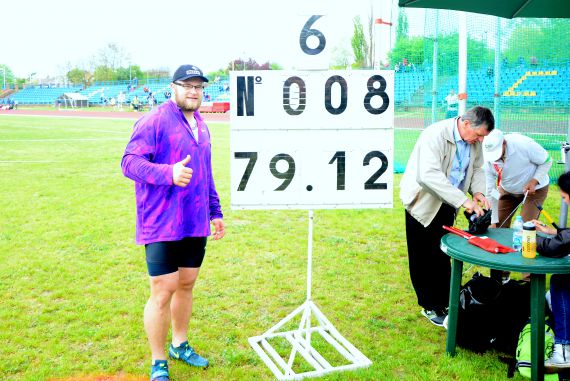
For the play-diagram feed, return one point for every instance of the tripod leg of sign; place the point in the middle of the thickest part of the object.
(299, 340)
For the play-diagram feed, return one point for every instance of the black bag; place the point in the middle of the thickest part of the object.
(491, 315)
(478, 225)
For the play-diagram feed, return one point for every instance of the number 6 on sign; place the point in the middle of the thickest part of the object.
(311, 51)
(308, 32)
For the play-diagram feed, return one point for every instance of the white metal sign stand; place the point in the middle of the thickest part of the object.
(300, 338)
(325, 150)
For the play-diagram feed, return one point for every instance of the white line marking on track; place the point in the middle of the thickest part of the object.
(27, 161)
(62, 140)
(74, 116)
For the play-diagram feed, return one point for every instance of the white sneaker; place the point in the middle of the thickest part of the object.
(559, 359)
(435, 317)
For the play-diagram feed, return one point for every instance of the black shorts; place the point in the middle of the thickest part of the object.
(166, 257)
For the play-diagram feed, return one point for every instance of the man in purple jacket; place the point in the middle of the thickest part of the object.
(169, 157)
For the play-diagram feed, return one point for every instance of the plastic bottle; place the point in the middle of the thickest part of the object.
(517, 233)
(529, 240)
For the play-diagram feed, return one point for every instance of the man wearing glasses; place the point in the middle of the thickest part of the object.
(169, 157)
(444, 166)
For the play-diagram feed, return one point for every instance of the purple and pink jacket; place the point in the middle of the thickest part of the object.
(166, 212)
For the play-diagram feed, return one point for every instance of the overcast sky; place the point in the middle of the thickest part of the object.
(43, 37)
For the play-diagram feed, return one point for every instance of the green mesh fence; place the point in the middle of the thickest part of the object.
(518, 68)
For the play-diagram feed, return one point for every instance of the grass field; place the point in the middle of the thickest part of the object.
(73, 283)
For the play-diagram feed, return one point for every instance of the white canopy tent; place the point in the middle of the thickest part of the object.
(72, 100)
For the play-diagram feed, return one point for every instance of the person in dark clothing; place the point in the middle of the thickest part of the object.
(558, 247)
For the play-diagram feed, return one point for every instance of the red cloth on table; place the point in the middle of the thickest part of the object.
(484, 243)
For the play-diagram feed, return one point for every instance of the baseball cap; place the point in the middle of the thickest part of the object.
(493, 146)
(185, 72)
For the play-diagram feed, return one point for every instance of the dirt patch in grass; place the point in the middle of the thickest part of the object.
(101, 377)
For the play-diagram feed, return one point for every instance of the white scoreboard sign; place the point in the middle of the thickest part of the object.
(312, 139)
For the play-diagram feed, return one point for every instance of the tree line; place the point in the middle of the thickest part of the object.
(528, 40)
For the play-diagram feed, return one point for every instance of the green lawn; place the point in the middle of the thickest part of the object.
(73, 283)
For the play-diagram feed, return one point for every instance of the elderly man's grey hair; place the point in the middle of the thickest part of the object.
(478, 116)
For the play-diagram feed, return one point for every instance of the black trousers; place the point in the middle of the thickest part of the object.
(430, 268)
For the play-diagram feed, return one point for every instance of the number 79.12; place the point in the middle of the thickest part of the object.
(287, 176)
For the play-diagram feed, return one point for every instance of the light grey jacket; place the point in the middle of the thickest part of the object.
(425, 185)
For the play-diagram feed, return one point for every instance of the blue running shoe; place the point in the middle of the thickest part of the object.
(185, 353)
(159, 371)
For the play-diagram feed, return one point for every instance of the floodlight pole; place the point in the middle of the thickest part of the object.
(434, 104)
(565, 151)
(462, 75)
(377, 44)
(497, 94)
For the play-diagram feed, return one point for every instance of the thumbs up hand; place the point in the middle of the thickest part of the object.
(181, 175)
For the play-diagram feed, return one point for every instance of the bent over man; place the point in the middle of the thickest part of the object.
(445, 164)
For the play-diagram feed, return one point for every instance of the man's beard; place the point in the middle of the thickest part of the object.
(188, 104)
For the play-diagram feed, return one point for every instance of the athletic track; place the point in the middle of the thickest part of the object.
(134, 115)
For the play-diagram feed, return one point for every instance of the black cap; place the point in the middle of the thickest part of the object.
(185, 72)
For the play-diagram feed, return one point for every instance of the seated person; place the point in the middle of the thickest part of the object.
(135, 103)
(558, 247)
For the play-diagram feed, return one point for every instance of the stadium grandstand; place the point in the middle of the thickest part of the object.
(542, 86)
(42, 94)
(99, 93)
(539, 86)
